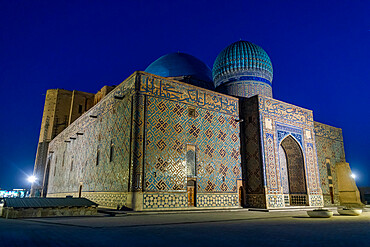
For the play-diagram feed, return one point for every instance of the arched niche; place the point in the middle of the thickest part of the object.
(291, 157)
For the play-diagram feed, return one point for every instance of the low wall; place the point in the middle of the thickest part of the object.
(14, 213)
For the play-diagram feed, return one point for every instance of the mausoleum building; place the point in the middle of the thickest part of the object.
(180, 136)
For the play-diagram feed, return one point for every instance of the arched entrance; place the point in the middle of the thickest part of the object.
(293, 172)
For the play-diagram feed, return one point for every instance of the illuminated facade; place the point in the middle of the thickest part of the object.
(178, 136)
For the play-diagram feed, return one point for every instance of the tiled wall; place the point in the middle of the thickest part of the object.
(73, 154)
(329, 143)
(149, 130)
(169, 128)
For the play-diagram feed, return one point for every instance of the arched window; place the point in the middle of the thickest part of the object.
(190, 160)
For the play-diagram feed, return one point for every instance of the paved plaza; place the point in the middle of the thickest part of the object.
(218, 228)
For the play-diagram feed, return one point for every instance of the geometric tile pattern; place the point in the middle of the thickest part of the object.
(217, 200)
(167, 133)
(275, 201)
(165, 200)
(316, 200)
(112, 200)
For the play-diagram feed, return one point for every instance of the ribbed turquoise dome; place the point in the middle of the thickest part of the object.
(242, 58)
(182, 64)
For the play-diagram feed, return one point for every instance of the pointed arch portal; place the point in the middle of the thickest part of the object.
(291, 159)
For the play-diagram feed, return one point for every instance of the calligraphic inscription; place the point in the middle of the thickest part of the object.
(327, 131)
(173, 90)
(285, 111)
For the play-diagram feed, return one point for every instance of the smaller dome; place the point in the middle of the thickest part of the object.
(183, 65)
(242, 58)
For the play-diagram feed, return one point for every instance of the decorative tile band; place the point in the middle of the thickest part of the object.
(275, 201)
(249, 78)
(272, 179)
(165, 200)
(246, 88)
(217, 200)
(285, 111)
(316, 200)
(180, 92)
(180, 200)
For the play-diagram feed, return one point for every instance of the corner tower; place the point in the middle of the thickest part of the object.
(243, 69)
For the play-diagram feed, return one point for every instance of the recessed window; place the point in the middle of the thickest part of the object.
(111, 153)
(137, 180)
(191, 112)
(64, 156)
(72, 165)
(55, 166)
(190, 160)
(328, 169)
(97, 157)
(79, 108)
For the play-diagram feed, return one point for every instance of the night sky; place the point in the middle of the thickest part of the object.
(320, 51)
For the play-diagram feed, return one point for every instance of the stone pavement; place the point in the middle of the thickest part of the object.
(218, 228)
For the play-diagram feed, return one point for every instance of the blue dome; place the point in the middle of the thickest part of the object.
(181, 64)
(242, 58)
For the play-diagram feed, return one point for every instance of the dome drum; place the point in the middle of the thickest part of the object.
(250, 75)
(246, 88)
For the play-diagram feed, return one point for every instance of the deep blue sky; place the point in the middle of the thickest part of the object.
(320, 51)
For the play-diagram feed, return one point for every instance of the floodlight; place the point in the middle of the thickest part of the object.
(32, 179)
